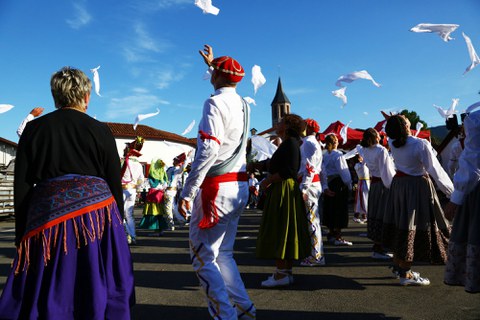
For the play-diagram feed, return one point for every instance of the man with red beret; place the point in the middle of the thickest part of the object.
(309, 175)
(218, 186)
(132, 178)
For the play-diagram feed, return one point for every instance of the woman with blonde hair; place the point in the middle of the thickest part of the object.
(336, 186)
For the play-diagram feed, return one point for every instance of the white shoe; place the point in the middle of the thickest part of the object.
(414, 280)
(342, 242)
(381, 255)
(271, 282)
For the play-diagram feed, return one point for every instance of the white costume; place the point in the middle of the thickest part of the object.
(211, 244)
(363, 186)
(455, 153)
(174, 174)
(22, 125)
(309, 172)
(132, 180)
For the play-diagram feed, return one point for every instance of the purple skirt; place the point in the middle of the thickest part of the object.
(76, 263)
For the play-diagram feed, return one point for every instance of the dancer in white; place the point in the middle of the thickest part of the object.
(219, 176)
(309, 176)
(132, 178)
(360, 207)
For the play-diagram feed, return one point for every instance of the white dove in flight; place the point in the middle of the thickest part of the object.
(447, 113)
(141, 117)
(207, 7)
(5, 107)
(96, 80)
(340, 93)
(443, 30)
(471, 51)
(250, 100)
(258, 79)
(189, 128)
(363, 74)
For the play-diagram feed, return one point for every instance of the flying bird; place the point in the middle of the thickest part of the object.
(5, 107)
(258, 79)
(142, 117)
(250, 100)
(340, 93)
(471, 51)
(96, 80)
(207, 7)
(443, 30)
(363, 74)
(189, 128)
(447, 113)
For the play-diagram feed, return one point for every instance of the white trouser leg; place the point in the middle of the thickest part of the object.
(211, 251)
(313, 217)
(129, 196)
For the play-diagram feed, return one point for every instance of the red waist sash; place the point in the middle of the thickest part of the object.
(210, 187)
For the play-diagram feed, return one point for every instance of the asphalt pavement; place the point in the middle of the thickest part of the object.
(351, 285)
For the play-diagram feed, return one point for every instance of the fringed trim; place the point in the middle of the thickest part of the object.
(85, 229)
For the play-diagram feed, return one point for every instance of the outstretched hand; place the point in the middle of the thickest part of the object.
(207, 54)
(36, 111)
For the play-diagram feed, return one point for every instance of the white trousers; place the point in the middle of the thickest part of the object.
(129, 196)
(313, 216)
(211, 251)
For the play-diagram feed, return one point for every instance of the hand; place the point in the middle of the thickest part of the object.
(183, 207)
(36, 111)
(305, 196)
(207, 54)
(450, 210)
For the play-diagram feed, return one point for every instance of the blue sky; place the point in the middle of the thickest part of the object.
(148, 53)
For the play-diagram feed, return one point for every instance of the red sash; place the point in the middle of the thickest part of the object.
(210, 187)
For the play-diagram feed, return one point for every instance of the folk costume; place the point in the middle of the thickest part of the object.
(335, 209)
(153, 209)
(382, 170)
(132, 179)
(72, 257)
(463, 263)
(360, 207)
(174, 179)
(217, 183)
(253, 187)
(309, 178)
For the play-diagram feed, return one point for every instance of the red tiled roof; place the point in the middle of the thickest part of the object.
(8, 142)
(125, 130)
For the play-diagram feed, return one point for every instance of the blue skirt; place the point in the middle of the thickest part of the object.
(73, 261)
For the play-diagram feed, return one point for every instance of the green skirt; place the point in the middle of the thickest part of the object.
(283, 231)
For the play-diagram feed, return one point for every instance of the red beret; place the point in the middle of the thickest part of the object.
(180, 158)
(230, 67)
(312, 124)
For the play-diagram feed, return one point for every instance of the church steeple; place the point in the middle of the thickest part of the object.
(280, 104)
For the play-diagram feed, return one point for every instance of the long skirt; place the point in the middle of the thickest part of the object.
(415, 227)
(463, 265)
(73, 261)
(335, 209)
(153, 211)
(377, 204)
(283, 230)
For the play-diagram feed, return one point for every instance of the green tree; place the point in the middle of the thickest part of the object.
(414, 118)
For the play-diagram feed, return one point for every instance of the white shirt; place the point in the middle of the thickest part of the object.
(417, 158)
(27, 119)
(222, 119)
(311, 163)
(379, 163)
(467, 176)
(134, 173)
(362, 171)
(335, 164)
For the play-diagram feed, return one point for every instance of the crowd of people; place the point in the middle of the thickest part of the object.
(74, 203)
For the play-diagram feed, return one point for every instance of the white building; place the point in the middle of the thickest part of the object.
(8, 149)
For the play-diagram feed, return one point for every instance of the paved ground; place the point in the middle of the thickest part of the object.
(350, 286)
